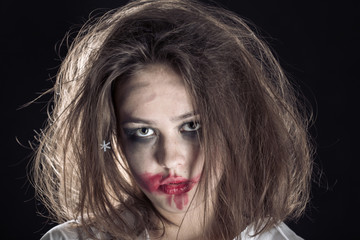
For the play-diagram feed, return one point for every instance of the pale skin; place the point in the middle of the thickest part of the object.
(159, 130)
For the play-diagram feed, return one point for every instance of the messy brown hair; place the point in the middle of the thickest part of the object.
(253, 127)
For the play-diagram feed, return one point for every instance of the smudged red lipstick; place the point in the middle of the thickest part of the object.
(173, 187)
(168, 185)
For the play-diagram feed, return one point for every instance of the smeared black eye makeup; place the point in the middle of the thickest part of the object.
(139, 134)
(190, 129)
(191, 126)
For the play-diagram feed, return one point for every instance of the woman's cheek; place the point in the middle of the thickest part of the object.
(139, 157)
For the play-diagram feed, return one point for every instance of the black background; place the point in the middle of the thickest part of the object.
(316, 42)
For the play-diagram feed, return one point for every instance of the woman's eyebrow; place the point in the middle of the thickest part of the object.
(137, 120)
(183, 116)
(149, 122)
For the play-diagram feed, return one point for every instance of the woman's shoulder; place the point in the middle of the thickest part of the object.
(278, 232)
(65, 231)
(71, 230)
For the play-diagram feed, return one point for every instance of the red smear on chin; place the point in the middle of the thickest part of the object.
(181, 200)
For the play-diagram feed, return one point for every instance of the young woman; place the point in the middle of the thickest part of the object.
(172, 120)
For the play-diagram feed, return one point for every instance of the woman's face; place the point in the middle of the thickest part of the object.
(159, 131)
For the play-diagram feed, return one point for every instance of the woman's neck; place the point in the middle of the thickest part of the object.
(187, 226)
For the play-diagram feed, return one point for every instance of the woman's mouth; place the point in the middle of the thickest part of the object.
(175, 188)
(169, 185)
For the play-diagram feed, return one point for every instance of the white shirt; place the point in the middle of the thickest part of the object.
(68, 231)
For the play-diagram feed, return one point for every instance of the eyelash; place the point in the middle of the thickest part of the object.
(196, 123)
(132, 133)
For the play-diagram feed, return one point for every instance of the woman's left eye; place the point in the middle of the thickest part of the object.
(144, 132)
(139, 133)
(190, 127)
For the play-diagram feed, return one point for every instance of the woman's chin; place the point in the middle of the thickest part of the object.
(173, 203)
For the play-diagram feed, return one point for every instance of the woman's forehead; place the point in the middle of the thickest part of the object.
(151, 78)
(156, 90)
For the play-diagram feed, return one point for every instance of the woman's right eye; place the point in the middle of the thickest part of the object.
(140, 133)
(144, 132)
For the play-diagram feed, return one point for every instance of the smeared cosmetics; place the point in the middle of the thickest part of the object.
(175, 187)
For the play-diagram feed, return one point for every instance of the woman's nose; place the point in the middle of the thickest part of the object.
(170, 152)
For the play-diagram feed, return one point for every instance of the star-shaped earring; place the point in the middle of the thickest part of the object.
(105, 146)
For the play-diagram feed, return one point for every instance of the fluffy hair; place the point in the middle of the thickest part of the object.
(252, 128)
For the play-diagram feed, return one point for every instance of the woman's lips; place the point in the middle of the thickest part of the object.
(168, 185)
(175, 188)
